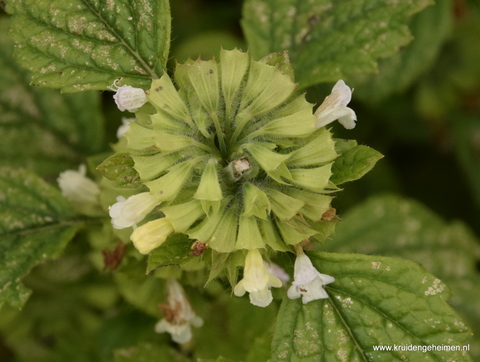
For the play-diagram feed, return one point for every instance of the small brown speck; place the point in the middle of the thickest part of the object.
(158, 89)
(211, 71)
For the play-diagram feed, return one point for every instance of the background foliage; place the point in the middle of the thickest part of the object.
(420, 107)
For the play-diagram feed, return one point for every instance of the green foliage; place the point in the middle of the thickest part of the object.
(77, 45)
(148, 352)
(119, 169)
(36, 223)
(42, 130)
(354, 163)
(373, 301)
(430, 29)
(391, 226)
(329, 40)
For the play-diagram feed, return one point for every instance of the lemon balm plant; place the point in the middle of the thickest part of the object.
(222, 183)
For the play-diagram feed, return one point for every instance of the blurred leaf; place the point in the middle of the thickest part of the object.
(329, 40)
(353, 163)
(77, 45)
(41, 129)
(205, 45)
(466, 131)
(120, 169)
(389, 225)
(148, 352)
(36, 223)
(373, 301)
(430, 29)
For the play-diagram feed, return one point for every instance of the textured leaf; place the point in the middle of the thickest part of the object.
(328, 40)
(354, 163)
(175, 251)
(389, 225)
(41, 129)
(375, 301)
(36, 222)
(76, 45)
(430, 29)
(119, 169)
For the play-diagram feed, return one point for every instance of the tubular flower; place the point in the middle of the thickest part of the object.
(257, 280)
(78, 188)
(128, 212)
(335, 107)
(308, 282)
(151, 235)
(178, 314)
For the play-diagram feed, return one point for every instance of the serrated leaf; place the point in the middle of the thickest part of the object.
(354, 163)
(119, 168)
(403, 228)
(36, 223)
(77, 45)
(329, 40)
(43, 130)
(430, 29)
(374, 301)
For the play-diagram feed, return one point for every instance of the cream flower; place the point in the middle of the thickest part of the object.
(125, 126)
(151, 235)
(257, 280)
(335, 107)
(128, 212)
(178, 314)
(129, 98)
(308, 282)
(78, 188)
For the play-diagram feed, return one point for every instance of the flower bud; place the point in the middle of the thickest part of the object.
(151, 235)
(129, 98)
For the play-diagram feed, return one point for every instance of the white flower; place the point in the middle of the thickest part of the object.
(178, 314)
(129, 98)
(129, 212)
(78, 188)
(335, 107)
(308, 281)
(277, 271)
(257, 280)
(125, 126)
(151, 235)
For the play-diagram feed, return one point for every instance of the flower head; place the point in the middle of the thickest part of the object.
(78, 188)
(308, 282)
(129, 98)
(151, 235)
(178, 314)
(128, 212)
(335, 107)
(257, 280)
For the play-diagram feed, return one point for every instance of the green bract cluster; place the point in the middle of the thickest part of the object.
(234, 156)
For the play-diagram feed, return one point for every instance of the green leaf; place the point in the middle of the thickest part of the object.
(119, 168)
(374, 301)
(148, 352)
(76, 45)
(36, 223)
(41, 129)
(174, 252)
(329, 40)
(354, 163)
(430, 29)
(406, 229)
